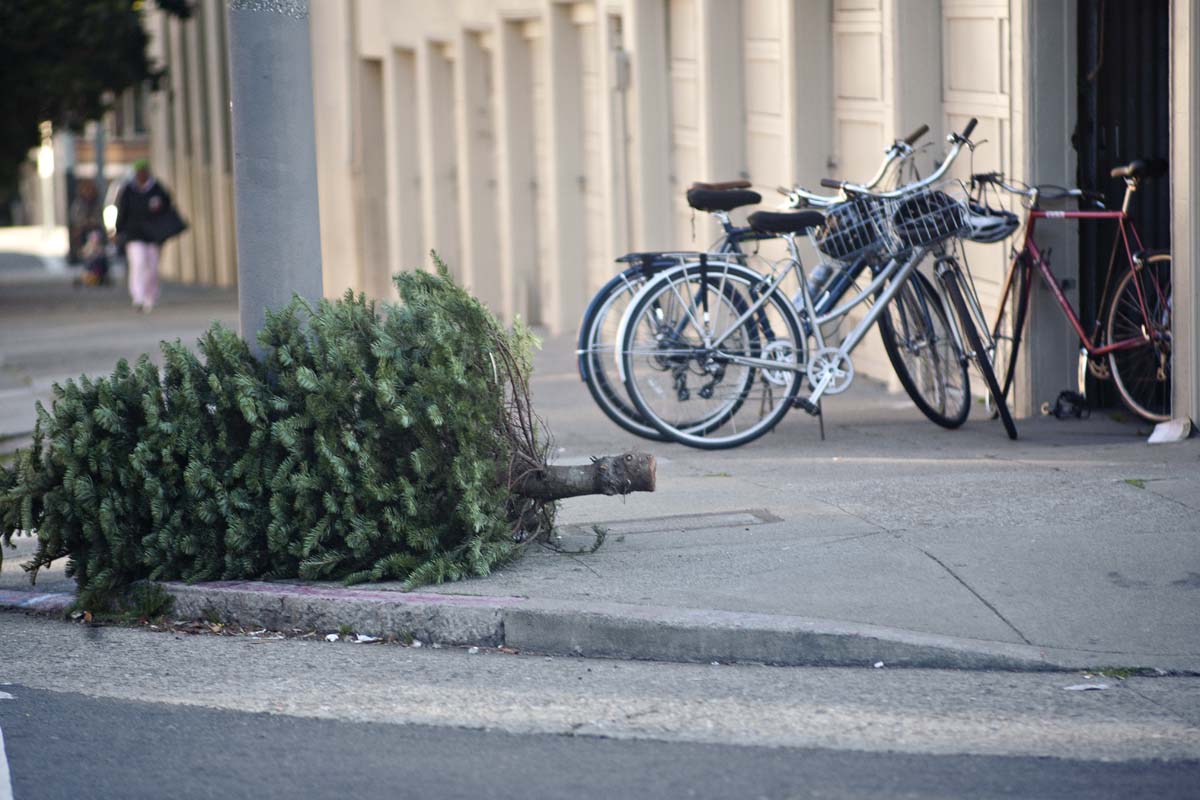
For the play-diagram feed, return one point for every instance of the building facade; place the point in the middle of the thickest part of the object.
(531, 141)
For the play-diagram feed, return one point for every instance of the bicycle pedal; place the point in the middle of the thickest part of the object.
(811, 408)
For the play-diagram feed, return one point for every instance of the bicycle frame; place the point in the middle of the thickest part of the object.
(895, 272)
(1035, 259)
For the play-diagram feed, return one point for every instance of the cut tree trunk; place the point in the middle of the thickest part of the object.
(620, 474)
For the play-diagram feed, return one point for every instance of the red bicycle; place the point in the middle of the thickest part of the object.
(1133, 346)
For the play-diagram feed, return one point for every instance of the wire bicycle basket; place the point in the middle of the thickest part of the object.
(927, 216)
(852, 229)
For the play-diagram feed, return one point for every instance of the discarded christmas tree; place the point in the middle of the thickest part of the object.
(366, 444)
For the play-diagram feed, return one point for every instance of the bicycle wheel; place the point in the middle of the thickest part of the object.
(597, 353)
(948, 273)
(692, 349)
(916, 336)
(1142, 374)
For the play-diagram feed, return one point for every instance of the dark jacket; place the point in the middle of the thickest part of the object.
(147, 215)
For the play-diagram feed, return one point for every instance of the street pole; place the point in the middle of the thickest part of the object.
(274, 158)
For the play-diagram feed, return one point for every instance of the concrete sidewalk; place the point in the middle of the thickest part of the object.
(894, 540)
(51, 330)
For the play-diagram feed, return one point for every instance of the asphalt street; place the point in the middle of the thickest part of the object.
(67, 745)
(114, 712)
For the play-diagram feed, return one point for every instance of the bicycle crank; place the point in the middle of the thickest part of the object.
(832, 369)
(784, 353)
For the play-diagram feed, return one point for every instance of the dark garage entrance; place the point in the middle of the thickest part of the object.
(1123, 114)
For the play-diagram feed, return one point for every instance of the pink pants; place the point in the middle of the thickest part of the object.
(142, 258)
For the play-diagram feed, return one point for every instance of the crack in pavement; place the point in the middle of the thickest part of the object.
(970, 589)
(1161, 496)
(1173, 712)
(859, 517)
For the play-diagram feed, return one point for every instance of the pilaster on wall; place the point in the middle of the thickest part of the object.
(706, 110)
(201, 164)
(613, 79)
(650, 189)
(810, 24)
(594, 171)
(183, 247)
(917, 70)
(722, 140)
(439, 189)
(221, 183)
(476, 157)
(1185, 184)
(1043, 112)
(372, 189)
(806, 56)
(863, 85)
(866, 84)
(159, 116)
(335, 111)
(406, 248)
(564, 281)
(516, 170)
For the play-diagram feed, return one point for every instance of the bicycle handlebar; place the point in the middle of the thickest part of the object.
(958, 141)
(1040, 192)
(900, 148)
(912, 138)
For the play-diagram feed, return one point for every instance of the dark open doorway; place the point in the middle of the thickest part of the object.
(1124, 114)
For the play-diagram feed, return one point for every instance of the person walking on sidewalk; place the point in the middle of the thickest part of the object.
(146, 219)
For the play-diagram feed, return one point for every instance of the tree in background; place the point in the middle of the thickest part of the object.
(60, 59)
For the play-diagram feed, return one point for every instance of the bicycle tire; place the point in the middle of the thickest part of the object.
(1021, 289)
(919, 311)
(949, 278)
(597, 361)
(646, 361)
(1142, 375)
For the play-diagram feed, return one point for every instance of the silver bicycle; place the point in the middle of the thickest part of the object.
(717, 339)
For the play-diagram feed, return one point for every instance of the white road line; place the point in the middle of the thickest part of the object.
(6, 792)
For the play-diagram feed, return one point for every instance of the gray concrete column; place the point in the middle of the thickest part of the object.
(274, 158)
